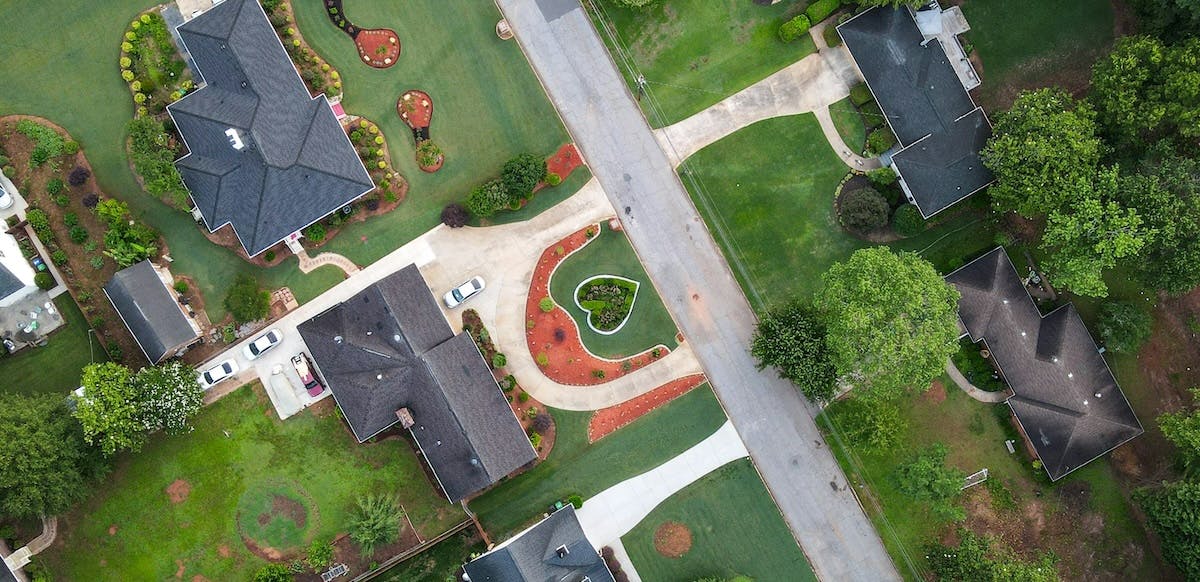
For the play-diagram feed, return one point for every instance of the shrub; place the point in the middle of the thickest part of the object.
(428, 153)
(821, 9)
(925, 477)
(598, 374)
(39, 221)
(863, 210)
(269, 256)
(154, 161)
(521, 175)
(553, 179)
(499, 360)
(47, 143)
(832, 38)
(542, 359)
(78, 234)
(575, 499)
(97, 262)
(454, 216)
(880, 140)
(882, 177)
(377, 522)
(55, 187)
(871, 424)
(535, 439)
(523, 397)
(181, 286)
(371, 204)
(860, 94)
(273, 573)
(90, 200)
(71, 219)
(546, 305)
(314, 232)
(59, 257)
(1124, 326)
(79, 175)
(44, 281)
(907, 221)
(62, 200)
(319, 555)
(246, 301)
(794, 28)
(541, 422)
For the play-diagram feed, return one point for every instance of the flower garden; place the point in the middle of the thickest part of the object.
(607, 300)
(377, 47)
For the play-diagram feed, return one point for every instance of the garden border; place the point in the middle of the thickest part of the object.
(637, 285)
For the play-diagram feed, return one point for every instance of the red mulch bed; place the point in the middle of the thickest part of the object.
(378, 47)
(556, 335)
(607, 420)
(563, 162)
(420, 114)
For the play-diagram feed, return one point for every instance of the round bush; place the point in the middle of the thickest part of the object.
(315, 232)
(908, 221)
(454, 216)
(863, 210)
(546, 305)
(78, 176)
(44, 281)
(553, 179)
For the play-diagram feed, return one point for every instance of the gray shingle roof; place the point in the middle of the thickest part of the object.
(534, 555)
(924, 103)
(9, 283)
(389, 347)
(296, 166)
(149, 311)
(1065, 396)
(6, 575)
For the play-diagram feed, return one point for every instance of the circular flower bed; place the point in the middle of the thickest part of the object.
(608, 301)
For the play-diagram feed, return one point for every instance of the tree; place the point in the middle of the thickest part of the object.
(273, 573)
(925, 477)
(1171, 511)
(486, 199)
(108, 409)
(1145, 89)
(112, 212)
(376, 522)
(1169, 19)
(246, 301)
(455, 216)
(1043, 151)
(1183, 430)
(870, 423)
(48, 465)
(1166, 194)
(892, 320)
(168, 396)
(863, 210)
(320, 555)
(522, 174)
(792, 339)
(1090, 235)
(971, 560)
(1124, 326)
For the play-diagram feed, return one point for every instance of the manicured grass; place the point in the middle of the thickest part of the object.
(766, 194)
(437, 564)
(694, 53)
(574, 466)
(975, 433)
(488, 105)
(56, 367)
(239, 445)
(649, 323)
(1031, 44)
(849, 123)
(736, 530)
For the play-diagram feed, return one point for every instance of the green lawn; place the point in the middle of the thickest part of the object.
(440, 563)
(736, 530)
(849, 123)
(694, 53)
(1029, 44)
(648, 325)
(574, 466)
(56, 367)
(239, 455)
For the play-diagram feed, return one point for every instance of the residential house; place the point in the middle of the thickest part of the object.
(553, 549)
(150, 308)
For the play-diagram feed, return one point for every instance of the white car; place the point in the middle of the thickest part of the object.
(6, 199)
(459, 295)
(223, 371)
(262, 343)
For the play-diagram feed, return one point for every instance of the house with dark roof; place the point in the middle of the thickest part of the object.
(7, 572)
(940, 129)
(389, 356)
(1066, 400)
(264, 155)
(149, 307)
(553, 549)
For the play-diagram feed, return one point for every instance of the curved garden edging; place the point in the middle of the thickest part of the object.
(637, 285)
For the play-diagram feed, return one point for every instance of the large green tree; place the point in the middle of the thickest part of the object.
(1169, 19)
(1173, 511)
(1166, 194)
(870, 423)
(1183, 430)
(1090, 235)
(1044, 152)
(108, 409)
(246, 300)
(891, 320)
(1124, 326)
(1145, 89)
(925, 477)
(792, 339)
(168, 396)
(47, 464)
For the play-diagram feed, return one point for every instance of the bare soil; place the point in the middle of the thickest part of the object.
(936, 393)
(178, 491)
(289, 508)
(672, 539)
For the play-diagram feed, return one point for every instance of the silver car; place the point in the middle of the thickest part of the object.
(262, 343)
(458, 295)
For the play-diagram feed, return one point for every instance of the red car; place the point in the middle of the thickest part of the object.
(305, 369)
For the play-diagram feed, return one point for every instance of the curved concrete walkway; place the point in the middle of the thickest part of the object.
(309, 264)
(972, 390)
(616, 510)
(22, 557)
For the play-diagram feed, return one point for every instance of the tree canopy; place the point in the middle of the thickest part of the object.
(891, 320)
(792, 339)
(1145, 89)
(925, 477)
(1183, 430)
(246, 301)
(1124, 326)
(1166, 194)
(1171, 511)
(168, 396)
(521, 174)
(974, 559)
(870, 423)
(1169, 19)
(108, 409)
(47, 462)
(1043, 151)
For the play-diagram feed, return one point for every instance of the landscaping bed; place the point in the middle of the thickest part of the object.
(151, 65)
(608, 301)
(377, 47)
(319, 76)
(608, 420)
(416, 109)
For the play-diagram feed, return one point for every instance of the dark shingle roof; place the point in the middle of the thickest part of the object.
(389, 347)
(149, 311)
(296, 166)
(1065, 396)
(534, 555)
(924, 103)
(9, 283)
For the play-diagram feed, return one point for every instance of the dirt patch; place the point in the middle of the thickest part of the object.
(112, 530)
(936, 393)
(672, 539)
(180, 569)
(178, 491)
(264, 552)
(289, 508)
(199, 578)
(224, 551)
(606, 421)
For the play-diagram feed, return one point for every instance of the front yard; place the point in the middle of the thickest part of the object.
(213, 503)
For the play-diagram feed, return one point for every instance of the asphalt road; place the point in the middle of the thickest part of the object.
(687, 267)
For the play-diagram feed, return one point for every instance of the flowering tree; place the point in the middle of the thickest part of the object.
(118, 408)
(169, 395)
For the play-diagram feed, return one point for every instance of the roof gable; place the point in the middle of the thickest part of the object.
(149, 311)
(534, 555)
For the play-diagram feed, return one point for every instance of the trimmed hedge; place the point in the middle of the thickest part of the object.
(907, 221)
(794, 28)
(880, 140)
(821, 9)
(860, 95)
(863, 210)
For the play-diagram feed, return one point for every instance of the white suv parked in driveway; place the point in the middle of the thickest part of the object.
(218, 373)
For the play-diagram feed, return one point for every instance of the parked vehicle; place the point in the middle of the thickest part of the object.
(459, 295)
(262, 343)
(307, 374)
(218, 373)
(6, 199)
